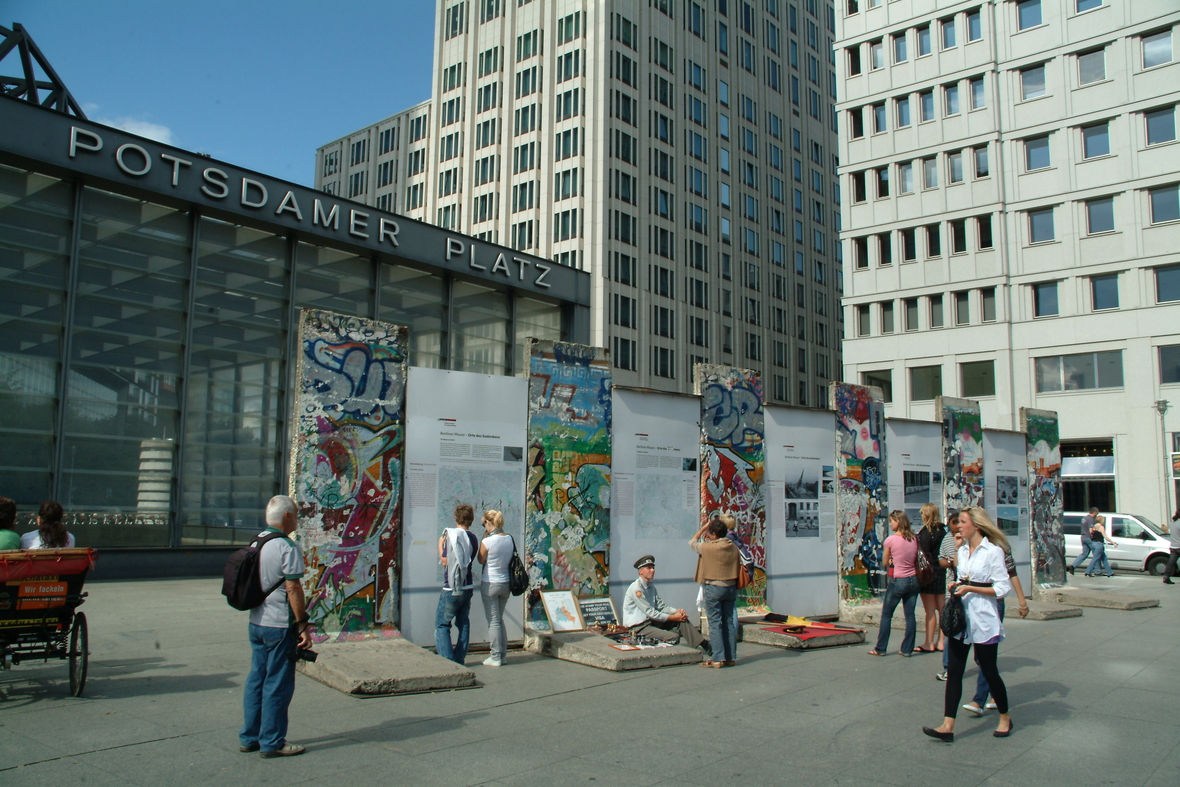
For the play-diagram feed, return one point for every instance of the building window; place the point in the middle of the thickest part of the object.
(1083, 371)
(925, 383)
(1032, 82)
(1091, 67)
(978, 97)
(982, 170)
(949, 38)
(884, 250)
(860, 252)
(926, 105)
(1100, 215)
(974, 26)
(933, 240)
(958, 236)
(1036, 153)
(882, 182)
(1157, 49)
(1165, 203)
(863, 322)
(954, 167)
(883, 379)
(951, 94)
(909, 244)
(1045, 299)
(1096, 140)
(1170, 363)
(1028, 14)
(983, 232)
(911, 314)
(1167, 284)
(886, 319)
(879, 123)
(663, 362)
(962, 308)
(930, 173)
(936, 320)
(1104, 291)
(1161, 125)
(987, 304)
(624, 353)
(905, 178)
(1040, 225)
(876, 54)
(923, 40)
(1086, 5)
(977, 378)
(903, 111)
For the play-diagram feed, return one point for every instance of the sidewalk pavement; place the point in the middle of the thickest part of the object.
(1094, 702)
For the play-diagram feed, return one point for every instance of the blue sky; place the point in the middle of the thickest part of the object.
(257, 83)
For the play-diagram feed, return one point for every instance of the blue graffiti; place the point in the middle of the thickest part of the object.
(349, 379)
(732, 415)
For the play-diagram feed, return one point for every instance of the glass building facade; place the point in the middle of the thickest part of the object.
(145, 374)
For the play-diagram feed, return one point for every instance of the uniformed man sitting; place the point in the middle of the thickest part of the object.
(645, 613)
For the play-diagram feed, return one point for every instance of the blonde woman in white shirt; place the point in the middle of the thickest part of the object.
(982, 580)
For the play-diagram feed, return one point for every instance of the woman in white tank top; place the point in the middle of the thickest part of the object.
(495, 553)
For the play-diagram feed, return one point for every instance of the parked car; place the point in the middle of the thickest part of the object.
(1142, 545)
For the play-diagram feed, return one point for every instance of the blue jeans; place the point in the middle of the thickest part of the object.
(1087, 547)
(495, 598)
(1099, 561)
(981, 687)
(458, 609)
(719, 607)
(904, 591)
(269, 687)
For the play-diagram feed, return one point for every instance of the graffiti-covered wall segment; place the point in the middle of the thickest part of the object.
(733, 463)
(862, 499)
(1044, 495)
(567, 491)
(346, 471)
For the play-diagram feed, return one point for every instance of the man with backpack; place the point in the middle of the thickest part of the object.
(278, 626)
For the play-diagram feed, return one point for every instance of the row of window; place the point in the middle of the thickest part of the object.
(1163, 204)
(1051, 374)
(917, 40)
(1103, 292)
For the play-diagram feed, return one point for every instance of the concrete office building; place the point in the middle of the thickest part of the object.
(682, 151)
(1012, 229)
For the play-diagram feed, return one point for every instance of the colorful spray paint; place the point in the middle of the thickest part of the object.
(733, 463)
(567, 492)
(1044, 495)
(346, 471)
(962, 452)
(862, 498)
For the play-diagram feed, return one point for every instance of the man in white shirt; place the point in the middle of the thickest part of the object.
(457, 550)
(645, 613)
(277, 627)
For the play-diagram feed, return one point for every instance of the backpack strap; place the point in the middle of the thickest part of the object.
(261, 542)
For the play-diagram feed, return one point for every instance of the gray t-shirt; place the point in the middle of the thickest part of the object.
(281, 559)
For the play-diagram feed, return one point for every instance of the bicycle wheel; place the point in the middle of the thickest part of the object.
(79, 654)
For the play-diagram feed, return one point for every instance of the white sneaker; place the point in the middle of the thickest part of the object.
(492, 661)
(973, 709)
(991, 706)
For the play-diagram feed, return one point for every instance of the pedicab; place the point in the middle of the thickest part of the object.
(40, 592)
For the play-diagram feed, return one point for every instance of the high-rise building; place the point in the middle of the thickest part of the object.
(1012, 227)
(683, 151)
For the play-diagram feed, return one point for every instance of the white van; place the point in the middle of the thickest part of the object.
(1142, 545)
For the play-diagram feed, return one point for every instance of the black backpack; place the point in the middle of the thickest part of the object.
(242, 581)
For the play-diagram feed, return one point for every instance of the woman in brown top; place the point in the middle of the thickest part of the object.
(717, 571)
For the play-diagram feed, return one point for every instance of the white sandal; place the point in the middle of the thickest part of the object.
(973, 709)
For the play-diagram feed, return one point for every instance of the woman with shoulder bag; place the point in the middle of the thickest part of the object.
(718, 563)
(1099, 538)
(933, 593)
(982, 581)
(901, 554)
(495, 553)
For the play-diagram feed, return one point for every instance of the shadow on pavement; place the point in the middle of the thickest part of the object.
(395, 730)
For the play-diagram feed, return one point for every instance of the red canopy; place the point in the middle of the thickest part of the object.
(21, 564)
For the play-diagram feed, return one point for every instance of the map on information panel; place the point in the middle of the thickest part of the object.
(482, 489)
(660, 505)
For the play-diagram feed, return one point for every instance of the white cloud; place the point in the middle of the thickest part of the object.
(142, 128)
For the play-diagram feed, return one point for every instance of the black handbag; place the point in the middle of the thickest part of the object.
(518, 577)
(954, 616)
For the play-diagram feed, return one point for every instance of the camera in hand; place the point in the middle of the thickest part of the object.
(303, 654)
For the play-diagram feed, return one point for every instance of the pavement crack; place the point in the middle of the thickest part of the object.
(92, 751)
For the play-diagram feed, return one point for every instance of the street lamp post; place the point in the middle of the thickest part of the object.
(1161, 407)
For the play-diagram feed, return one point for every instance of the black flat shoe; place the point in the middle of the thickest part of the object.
(945, 737)
(1005, 733)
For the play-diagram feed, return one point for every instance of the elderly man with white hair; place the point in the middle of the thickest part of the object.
(277, 627)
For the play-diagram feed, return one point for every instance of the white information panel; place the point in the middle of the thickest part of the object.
(801, 512)
(655, 495)
(915, 467)
(1005, 494)
(465, 443)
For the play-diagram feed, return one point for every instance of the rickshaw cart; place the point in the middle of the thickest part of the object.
(40, 592)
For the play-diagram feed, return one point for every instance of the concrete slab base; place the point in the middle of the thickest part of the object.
(388, 666)
(1085, 597)
(594, 650)
(869, 613)
(757, 634)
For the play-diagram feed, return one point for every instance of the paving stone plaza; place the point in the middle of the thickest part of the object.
(1094, 701)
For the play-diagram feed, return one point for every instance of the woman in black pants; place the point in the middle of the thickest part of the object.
(982, 580)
